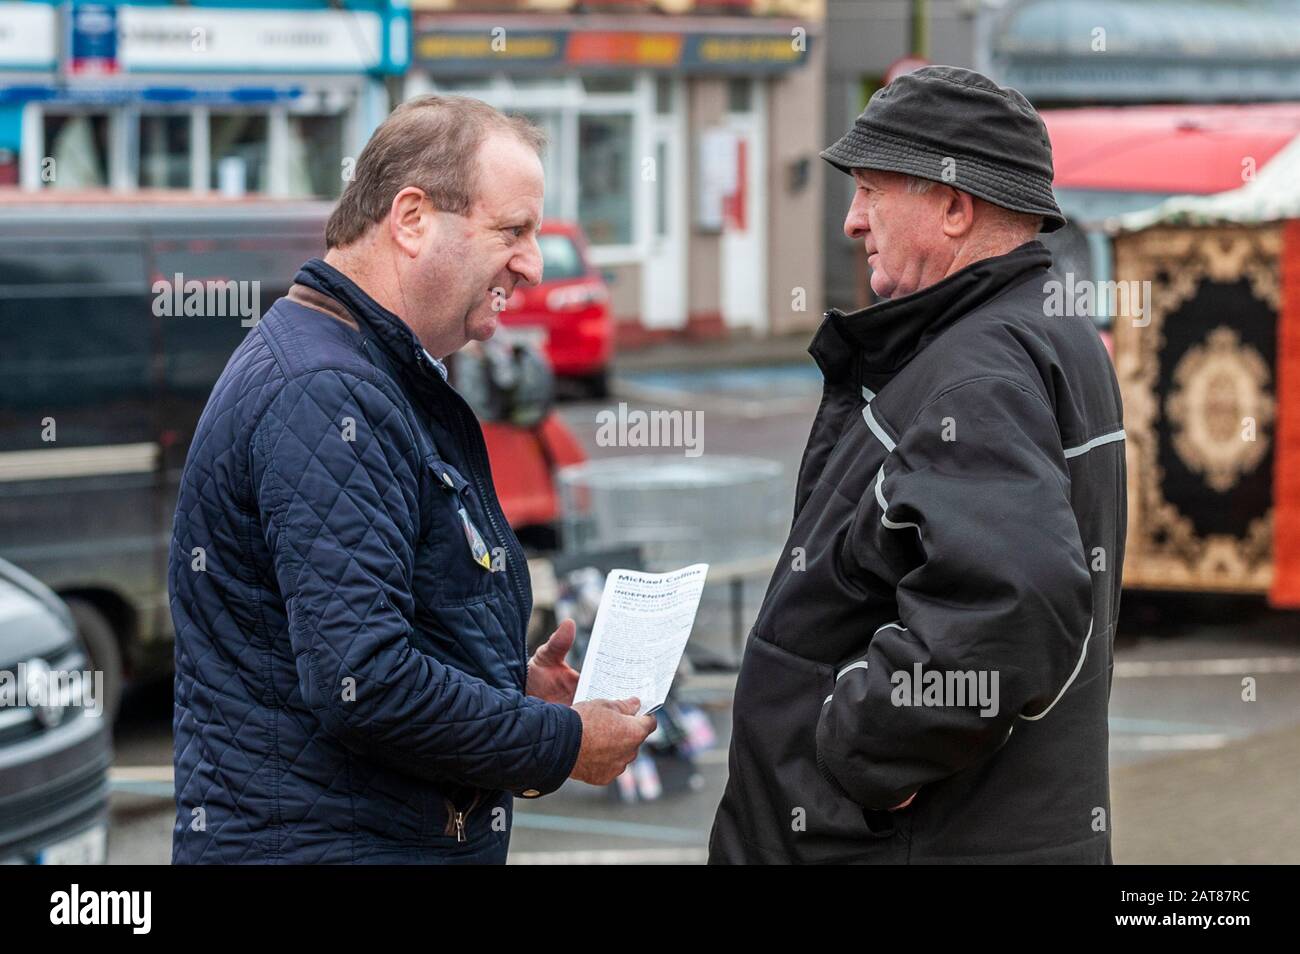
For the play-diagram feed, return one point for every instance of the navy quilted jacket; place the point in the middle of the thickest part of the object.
(350, 607)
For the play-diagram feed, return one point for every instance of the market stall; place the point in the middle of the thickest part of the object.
(1207, 351)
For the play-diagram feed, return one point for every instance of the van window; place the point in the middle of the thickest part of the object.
(77, 339)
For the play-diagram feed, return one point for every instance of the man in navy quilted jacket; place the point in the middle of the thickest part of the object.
(352, 683)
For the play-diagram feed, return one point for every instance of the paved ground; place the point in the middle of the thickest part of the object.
(1198, 774)
(1233, 805)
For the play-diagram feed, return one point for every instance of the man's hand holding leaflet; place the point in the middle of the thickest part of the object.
(641, 629)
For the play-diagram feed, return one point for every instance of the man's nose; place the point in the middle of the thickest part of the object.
(528, 264)
(855, 223)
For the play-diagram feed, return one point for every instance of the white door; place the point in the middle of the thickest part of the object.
(662, 173)
(744, 236)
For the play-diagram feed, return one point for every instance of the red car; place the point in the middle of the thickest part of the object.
(567, 315)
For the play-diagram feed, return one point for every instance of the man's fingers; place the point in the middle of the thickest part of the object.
(616, 706)
(626, 707)
(553, 651)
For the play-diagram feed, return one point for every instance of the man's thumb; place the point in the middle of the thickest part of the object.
(629, 706)
(553, 651)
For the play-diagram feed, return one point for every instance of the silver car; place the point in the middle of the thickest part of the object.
(55, 738)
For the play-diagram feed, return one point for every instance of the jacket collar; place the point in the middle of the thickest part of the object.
(377, 322)
(886, 336)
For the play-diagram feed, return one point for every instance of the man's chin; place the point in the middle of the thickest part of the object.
(482, 327)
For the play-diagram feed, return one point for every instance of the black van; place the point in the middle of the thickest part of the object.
(102, 382)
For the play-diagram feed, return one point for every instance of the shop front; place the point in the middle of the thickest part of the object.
(236, 100)
(684, 146)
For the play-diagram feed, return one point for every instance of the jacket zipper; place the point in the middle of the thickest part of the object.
(456, 818)
(516, 551)
(492, 506)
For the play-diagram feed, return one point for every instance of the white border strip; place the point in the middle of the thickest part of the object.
(1095, 442)
(1247, 666)
(57, 462)
(612, 856)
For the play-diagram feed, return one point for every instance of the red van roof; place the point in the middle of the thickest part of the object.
(1170, 149)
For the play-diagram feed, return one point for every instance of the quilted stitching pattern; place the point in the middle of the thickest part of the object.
(342, 664)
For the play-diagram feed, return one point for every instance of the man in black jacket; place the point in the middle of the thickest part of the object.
(929, 674)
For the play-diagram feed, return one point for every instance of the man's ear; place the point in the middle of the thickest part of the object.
(409, 220)
(958, 212)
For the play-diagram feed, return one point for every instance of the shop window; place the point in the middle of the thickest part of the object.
(740, 95)
(549, 121)
(540, 84)
(78, 144)
(238, 147)
(471, 85)
(607, 84)
(165, 152)
(664, 95)
(604, 178)
(316, 156)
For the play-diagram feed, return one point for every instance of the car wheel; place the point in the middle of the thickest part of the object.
(105, 654)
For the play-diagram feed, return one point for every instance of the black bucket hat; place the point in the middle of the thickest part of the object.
(960, 128)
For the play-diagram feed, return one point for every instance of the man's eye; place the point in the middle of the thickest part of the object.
(518, 231)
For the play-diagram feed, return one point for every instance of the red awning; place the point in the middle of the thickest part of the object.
(1171, 149)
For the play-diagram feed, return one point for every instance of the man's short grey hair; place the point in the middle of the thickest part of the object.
(1005, 222)
(915, 185)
